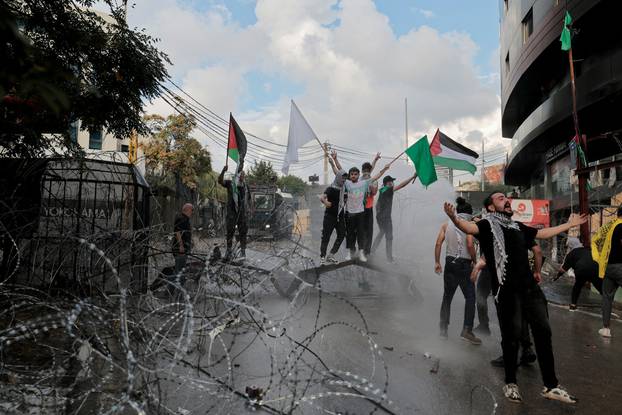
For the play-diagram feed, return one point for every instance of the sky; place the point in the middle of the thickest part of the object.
(348, 64)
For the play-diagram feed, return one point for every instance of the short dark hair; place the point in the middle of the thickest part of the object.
(620, 211)
(366, 166)
(353, 170)
(488, 199)
(462, 206)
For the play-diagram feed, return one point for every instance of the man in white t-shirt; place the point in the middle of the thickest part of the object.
(357, 188)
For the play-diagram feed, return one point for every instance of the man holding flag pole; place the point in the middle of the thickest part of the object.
(238, 196)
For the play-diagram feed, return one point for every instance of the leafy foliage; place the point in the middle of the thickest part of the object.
(262, 172)
(171, 153)
(62, 62)
(210, 189)
(292, 184)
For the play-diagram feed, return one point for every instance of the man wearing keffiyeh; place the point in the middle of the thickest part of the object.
(505, 243)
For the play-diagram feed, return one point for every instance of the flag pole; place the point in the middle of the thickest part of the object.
(227, 150)
(582, 145)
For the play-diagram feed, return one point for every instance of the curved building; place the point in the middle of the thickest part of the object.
(536, 95)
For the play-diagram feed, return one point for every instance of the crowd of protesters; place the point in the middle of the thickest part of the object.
(485, 254)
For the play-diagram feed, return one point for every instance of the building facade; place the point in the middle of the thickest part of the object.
(104, 146)
(537, 101)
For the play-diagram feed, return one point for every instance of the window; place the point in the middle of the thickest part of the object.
(95, 140)
(263, 201)
(507, 63)
(73, 132)
(527, 26)
(125, 148)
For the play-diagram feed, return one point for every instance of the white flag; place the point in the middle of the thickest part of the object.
(300, 133)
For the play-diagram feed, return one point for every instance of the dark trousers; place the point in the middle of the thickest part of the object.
(355, 225)
(530, 304)
(385, 229)
(236, 219)
(579, 283)
(613, 280)
(457, 274)
(483, 291)
(332, 222)
(369, 229)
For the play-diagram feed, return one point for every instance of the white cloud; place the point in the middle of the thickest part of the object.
(353, 69)
(428, 14)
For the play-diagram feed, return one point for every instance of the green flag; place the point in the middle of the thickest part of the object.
(420, 154)
(566, 37)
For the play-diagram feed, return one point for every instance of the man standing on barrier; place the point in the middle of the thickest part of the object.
(238, 200)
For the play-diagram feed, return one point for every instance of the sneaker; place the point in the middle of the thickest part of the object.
(362, 256)
(511, 393)
(467, 335)
(242, 256)
(322, 260)
(349, 256)
(605, 332)
(558, 394)
(481, 329)
(498, 362)
(528, 357)
(331, 258)
(443, 333)
(572, 307)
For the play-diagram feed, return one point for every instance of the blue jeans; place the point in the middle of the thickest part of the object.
(457, 274)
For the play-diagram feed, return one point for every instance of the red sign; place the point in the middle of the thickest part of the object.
(531, 212)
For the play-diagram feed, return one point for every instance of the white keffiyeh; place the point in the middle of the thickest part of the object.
(498, 221)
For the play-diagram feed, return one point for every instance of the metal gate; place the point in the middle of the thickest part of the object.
(75, 225)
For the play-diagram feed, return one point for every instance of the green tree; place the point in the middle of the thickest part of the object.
(292, 184)
(62, 62)
(262, 173)
(171, 154)
(210, 189)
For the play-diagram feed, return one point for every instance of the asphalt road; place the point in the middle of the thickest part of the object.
(403, 357)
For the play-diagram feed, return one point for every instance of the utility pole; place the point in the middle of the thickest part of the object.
(406, 125)
(482, 171)
(326, 149)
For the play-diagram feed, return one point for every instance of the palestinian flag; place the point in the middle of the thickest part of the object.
(448, 153)
(421, 157)
(236, 147)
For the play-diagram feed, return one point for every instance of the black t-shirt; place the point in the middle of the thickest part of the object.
(615, 256)
(518, 272)
(580, 259)
(241, 190)
(384, 206)
(182, 224)
(332, 195)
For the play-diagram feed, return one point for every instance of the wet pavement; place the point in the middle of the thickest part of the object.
(370, 329)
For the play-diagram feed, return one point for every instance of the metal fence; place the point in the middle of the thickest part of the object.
(74, 224)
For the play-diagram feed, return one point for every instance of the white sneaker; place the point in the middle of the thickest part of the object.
(605, 332)
(558, 394)
(349, 256)
(511, 393)
(322, 260)
(362, 256)
(331, 258)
